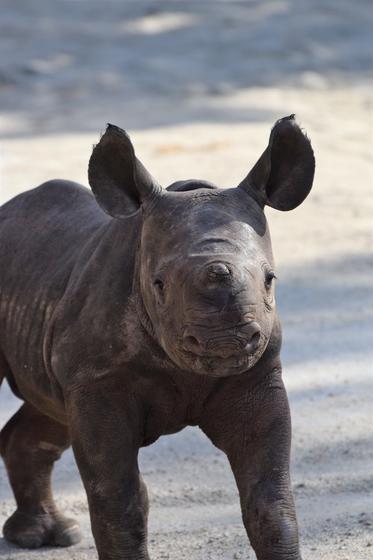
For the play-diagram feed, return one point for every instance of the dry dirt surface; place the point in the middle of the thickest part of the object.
(198, 85)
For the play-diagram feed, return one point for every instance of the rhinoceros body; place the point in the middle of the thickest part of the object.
(132, 318)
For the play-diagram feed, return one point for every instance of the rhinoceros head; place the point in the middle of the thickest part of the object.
(206, 272)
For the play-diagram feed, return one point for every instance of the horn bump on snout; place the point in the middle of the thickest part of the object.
(218, 272)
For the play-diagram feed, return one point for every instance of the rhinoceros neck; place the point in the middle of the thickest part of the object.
(107, 291)
(141, 312)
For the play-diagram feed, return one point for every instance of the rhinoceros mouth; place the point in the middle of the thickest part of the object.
(221, 367)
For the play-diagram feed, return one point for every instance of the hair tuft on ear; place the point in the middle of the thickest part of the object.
(118, 179)
(283, 175)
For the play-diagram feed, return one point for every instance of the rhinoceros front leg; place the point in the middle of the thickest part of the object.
(252, 426)
(106, 430)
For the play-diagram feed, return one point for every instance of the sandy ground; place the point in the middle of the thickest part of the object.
(198, 86)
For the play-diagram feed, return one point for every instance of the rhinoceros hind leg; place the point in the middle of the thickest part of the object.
(30, 443)
(32, 531)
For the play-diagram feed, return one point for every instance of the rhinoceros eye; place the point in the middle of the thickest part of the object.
(160, 292)
(269, 277)
(159, 285)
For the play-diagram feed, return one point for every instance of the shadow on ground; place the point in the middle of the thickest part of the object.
(326, 308)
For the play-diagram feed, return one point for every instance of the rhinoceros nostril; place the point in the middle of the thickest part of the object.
(191, 343)
(253, 338)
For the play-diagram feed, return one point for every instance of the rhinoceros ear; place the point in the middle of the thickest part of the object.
(118, 179)
(283, 175)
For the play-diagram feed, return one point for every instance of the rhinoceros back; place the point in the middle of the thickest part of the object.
(42, 233)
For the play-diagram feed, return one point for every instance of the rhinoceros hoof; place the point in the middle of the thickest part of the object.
(33, 531)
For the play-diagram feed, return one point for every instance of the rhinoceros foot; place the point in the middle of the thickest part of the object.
(35, 530)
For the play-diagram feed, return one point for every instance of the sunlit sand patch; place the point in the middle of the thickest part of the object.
(158, 23)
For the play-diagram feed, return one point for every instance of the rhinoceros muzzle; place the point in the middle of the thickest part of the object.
(230, 343)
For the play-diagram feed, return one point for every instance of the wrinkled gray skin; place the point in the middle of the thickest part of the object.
(118, 327)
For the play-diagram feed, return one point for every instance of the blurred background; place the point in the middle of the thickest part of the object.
(198, 86)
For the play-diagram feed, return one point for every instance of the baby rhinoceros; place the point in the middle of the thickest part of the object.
(134, 313)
